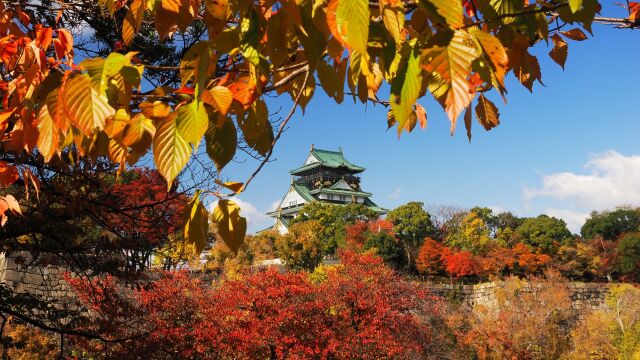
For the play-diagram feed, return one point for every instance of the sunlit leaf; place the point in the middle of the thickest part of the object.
(196, 224)
(236, 187)
(219, 97)
(171, 151)
(231, 226)
(85, 108)
(453, 64)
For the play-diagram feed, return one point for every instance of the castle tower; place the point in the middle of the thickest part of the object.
(325, 176)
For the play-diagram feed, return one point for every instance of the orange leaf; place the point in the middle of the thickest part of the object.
(574, 34)
(634, 11)
(422, 116)
(43, 36)
(8, 48)
(8, 174)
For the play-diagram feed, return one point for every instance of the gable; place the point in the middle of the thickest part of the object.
(341, 184)
(291, 199)
(311, 159)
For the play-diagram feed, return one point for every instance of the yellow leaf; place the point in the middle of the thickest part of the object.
(495, 52)
(116, 124)
(49, 135)
(133, 20)
(219, 97)
(236, 187)
(348, 21)
(393, 18)
(85, 108)
(155, 110)
(451, 11)
(171, 151)
(118, 153)
(405, 87)
(197, 223)
(231, 226)
(139, 127)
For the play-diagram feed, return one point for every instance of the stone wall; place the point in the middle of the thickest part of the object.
(19, 274)
(585, 296)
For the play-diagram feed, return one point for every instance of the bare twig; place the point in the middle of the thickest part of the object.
(306, 71)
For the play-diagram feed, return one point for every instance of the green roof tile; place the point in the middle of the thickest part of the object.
(327, 158)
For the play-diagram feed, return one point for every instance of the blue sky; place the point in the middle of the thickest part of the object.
(571, 146)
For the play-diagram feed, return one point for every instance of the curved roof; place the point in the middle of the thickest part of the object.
(327, 158)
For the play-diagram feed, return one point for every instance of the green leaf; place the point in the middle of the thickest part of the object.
(487, 113)
(86, 109)
(196, 224)
(352, 22)
(171, 151)
(231, 226)
(405, 87)
(221, 142)
(192, 121)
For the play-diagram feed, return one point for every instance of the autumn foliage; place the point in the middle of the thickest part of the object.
(361, 309)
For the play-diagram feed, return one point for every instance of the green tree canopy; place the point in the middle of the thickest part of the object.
(544, 232)
(611, 224)
(411, 224)
(629, 256)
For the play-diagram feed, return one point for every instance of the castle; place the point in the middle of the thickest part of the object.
(326, 176)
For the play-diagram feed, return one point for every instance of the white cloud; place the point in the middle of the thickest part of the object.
(574, 219)
(274, 205)
(395, 194)
(610, 180)
(613, 180)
